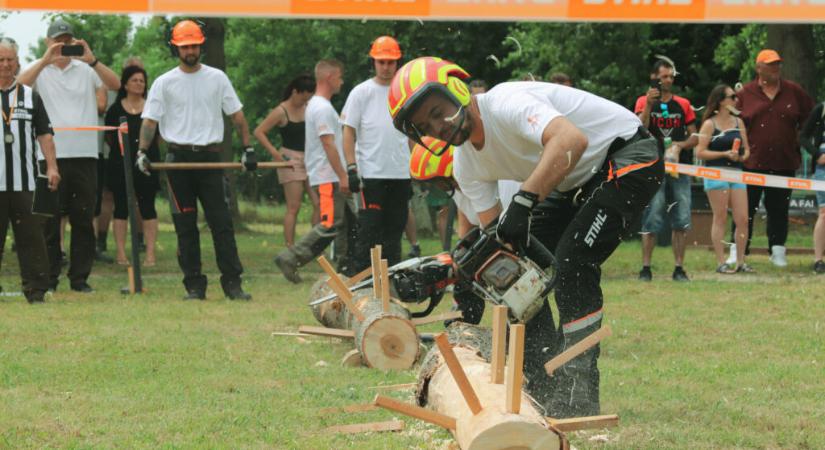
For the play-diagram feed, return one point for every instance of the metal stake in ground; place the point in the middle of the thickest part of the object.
(135, 282)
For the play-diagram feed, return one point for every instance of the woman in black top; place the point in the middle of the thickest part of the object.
(129, 104)
(720, 129)
(288, 116)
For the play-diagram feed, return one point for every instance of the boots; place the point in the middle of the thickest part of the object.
(576, 384)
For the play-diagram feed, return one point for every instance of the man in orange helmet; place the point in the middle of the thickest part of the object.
(588, 168)
(377, 159)
(187, 105)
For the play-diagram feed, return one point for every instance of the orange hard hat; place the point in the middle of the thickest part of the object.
(385, 47)
(187, 32)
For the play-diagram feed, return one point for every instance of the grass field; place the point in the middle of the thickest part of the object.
(721, 362)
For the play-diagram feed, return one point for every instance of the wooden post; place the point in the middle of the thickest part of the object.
(515, 368)
(499, 341)
(458, 373)
(375, 264)
(385, 286)
(340, 288)
(416, 412)
(577, 349)
(135, 281)
(131, 274)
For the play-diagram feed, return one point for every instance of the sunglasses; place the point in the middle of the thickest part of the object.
(731, 96)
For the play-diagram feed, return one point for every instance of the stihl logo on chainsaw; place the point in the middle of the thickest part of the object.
(595, 228)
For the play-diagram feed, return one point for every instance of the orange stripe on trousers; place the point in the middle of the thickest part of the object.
(326, 193)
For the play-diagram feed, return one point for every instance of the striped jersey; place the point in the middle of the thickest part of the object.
(24, 118)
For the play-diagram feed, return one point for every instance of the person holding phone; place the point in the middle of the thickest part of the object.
(23, 109)
(67, 80)
(671, 120)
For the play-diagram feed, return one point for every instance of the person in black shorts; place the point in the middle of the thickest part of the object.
(129, 103)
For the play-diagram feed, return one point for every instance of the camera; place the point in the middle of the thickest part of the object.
(656, 84)
(72, 50)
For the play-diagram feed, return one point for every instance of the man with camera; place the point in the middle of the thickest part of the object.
(67, 78)
(186, 105)
(671, 120)
(587, 168)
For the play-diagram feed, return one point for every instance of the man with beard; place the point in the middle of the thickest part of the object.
(588, 168)
(188, 103)
(380, 173)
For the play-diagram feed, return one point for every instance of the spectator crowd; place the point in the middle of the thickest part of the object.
(355, 167)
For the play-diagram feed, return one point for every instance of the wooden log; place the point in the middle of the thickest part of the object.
(493, 428)
(352, 359)
(386, 340)
(331, 314)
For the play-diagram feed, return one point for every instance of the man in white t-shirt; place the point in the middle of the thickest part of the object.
(596, 159)
(324, 161)
(68, 88)
(382, 156)
(187, 104)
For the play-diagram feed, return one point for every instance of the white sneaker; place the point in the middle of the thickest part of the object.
(731, 261)
(778, 256)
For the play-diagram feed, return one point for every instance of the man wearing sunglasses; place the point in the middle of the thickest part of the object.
(773, 110)
(594, 156)
(670, 119)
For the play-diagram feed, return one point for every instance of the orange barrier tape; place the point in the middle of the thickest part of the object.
(737, 176)
(122, 129)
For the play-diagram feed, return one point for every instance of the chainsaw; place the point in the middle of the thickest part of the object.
(413, 280)
(518, 280)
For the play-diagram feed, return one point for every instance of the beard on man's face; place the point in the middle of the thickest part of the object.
(190, 60)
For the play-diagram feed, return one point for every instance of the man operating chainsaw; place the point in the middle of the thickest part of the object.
(594, 156)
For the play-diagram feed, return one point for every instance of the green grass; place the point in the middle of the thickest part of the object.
(722, 362)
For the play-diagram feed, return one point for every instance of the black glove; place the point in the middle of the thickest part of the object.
(352, 177)
(514, 226)
(249, 159)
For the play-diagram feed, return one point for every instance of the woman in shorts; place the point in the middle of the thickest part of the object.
(288, 116)
(717, 147)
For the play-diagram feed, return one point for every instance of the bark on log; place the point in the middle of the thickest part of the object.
(386, 341)
(493, 427)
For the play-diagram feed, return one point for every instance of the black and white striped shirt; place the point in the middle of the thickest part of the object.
(24, 118)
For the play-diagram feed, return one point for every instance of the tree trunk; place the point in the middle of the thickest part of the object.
(795, 43)
(493, 428)
(214, 55)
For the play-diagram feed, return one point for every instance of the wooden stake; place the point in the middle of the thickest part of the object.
(499, 342)
(130, 272)
(577, 349)
(392, 425)
(360, 407)
(584, 423)
(215, 165)
(375, 265)
(385, 286)
(323, 331)
(414, 411)
(515, 368)
(437, 318)
(359, 276)
(340, 288)
(458, 374)
(394, 387)
(353, 358)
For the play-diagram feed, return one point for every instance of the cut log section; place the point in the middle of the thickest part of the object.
(384, 335)
(492, 428)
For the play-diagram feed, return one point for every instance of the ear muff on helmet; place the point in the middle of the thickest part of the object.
(185, 32)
